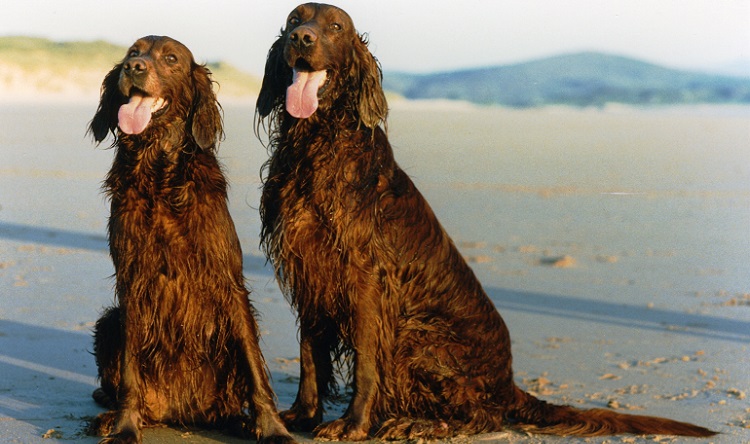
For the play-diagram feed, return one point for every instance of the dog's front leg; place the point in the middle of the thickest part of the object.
(356, 422)
(316, 370)
(268, 426)
(127, 429)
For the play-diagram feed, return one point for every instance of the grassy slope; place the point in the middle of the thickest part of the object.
(40, 67)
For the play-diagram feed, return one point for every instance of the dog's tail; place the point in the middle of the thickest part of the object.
(535, 416)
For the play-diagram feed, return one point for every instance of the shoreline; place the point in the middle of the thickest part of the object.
(20, 92)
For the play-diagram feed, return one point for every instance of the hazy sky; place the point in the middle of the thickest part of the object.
(414, 36)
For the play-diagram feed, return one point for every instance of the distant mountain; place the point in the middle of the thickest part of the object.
(37, 68)
(736, 68)
(584, 79)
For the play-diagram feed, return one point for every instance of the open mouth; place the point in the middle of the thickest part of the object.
(307, 86)
(134, 116)
(303, 65)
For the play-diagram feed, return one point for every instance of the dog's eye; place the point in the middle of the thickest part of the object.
(133, 53)
(336, 27)
(171, 59)
(294, 21)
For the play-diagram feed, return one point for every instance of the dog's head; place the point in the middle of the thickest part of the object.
(318, 62)
(158, 84)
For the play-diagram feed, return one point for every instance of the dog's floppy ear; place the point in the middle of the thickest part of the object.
(110, 100)
(371, 103)
(205, 116)
(275, 80)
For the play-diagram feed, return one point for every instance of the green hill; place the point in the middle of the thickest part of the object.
(37, 53)
(584, 79)
(37, 67)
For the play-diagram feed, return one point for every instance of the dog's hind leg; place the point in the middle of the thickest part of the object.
(108, 349)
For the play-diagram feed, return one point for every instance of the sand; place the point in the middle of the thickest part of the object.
(614, 242)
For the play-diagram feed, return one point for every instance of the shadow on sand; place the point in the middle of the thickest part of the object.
(47, 379)
(612, 313)
(88, 241)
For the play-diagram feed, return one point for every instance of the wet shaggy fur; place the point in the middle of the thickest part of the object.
(370, 270)
(181, 344)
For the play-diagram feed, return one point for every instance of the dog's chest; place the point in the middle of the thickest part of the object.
(165, 227)
(148, 218)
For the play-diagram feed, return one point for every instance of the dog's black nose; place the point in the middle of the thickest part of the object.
(303, 37)
(135, 67)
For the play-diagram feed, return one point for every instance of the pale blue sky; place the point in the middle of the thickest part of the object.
(414, 35)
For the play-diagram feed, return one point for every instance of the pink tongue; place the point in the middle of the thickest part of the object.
(134, 116)
(302, 94)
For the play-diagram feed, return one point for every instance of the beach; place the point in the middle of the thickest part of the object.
(615, 243)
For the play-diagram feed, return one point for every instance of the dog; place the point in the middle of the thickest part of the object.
(181, 344)
(372, 274)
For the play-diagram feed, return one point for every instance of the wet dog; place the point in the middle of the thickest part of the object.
(370, 270)
(181, 344)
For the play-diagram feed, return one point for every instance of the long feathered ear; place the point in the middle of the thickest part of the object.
(275, 80)
(205, 116)
(105, 119)
(371, 103)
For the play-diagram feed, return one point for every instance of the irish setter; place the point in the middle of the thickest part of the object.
(371, 272)
(181, 343)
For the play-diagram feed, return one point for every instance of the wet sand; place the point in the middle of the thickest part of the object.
(614, 242)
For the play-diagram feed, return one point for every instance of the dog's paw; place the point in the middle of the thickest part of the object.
(102, 424)
(414, 429)
(124, 437)
(277, 439)
(271, 430)
(340, 430)
(300, 420)
(103, 398)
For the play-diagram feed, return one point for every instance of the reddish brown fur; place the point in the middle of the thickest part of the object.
(369, 269)
(181, 345)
